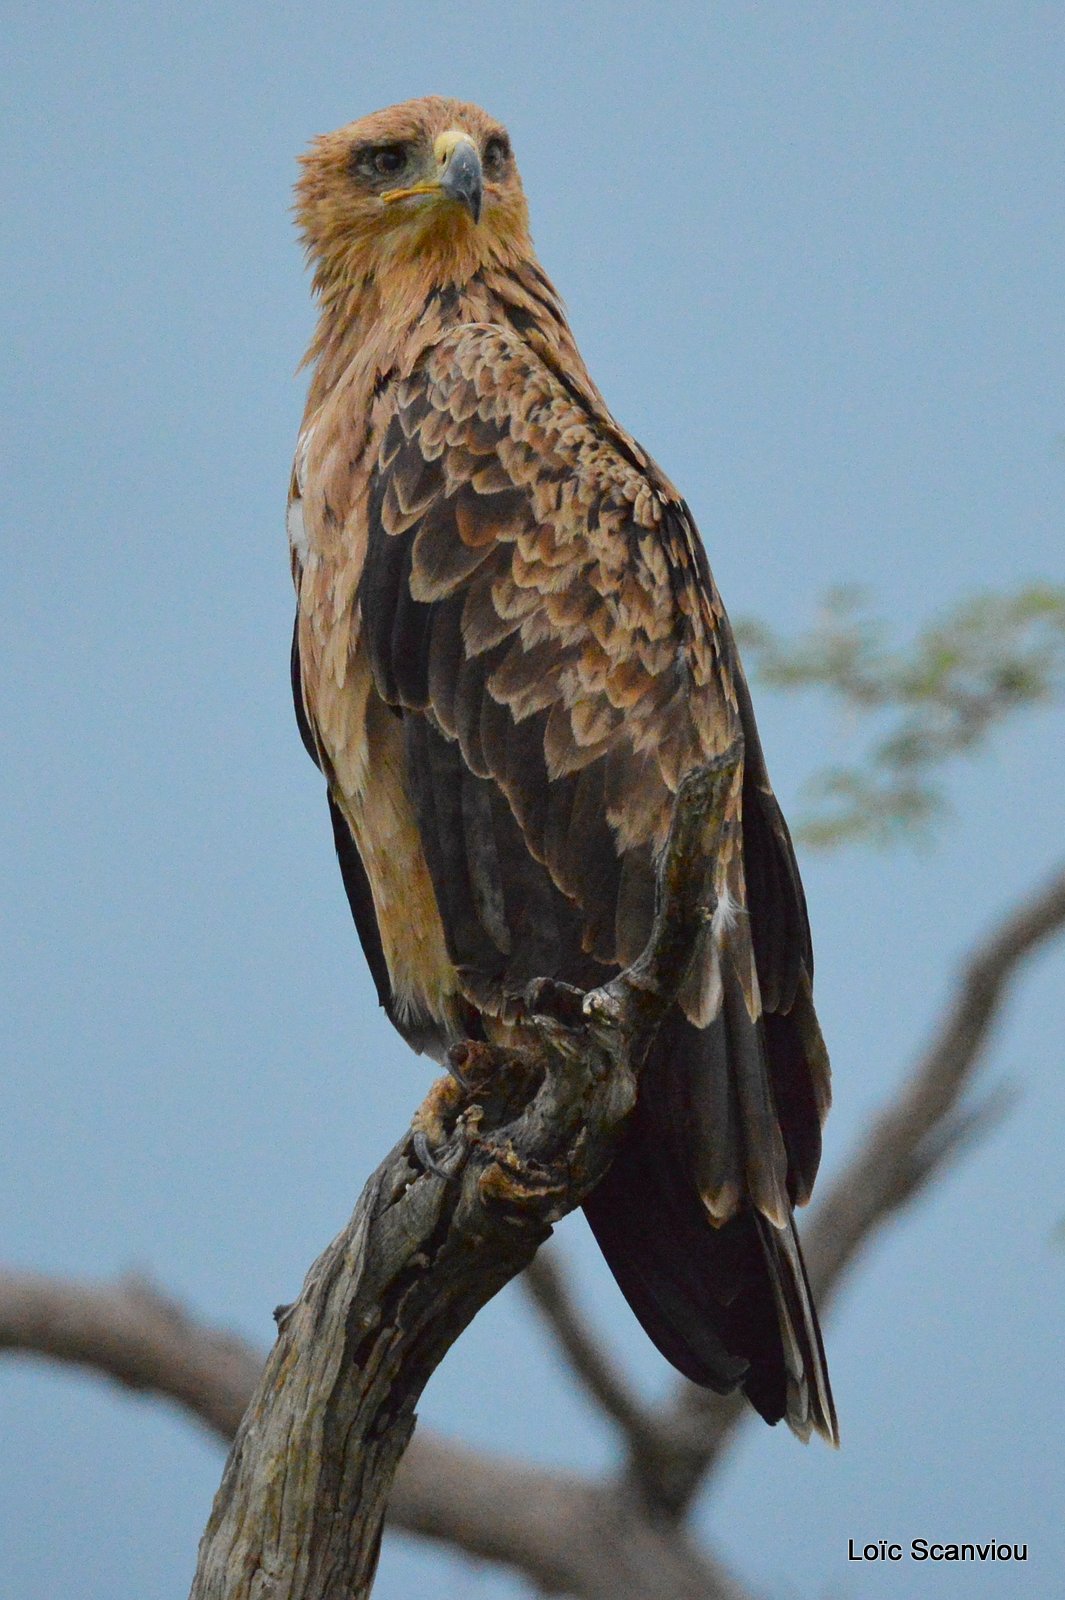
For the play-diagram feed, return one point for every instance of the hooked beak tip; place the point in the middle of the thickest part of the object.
(463, 178)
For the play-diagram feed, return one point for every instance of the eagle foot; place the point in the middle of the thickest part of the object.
(560, 1002)
(484, 1082)
(474, 1064)
(489, 1089)
(455, 1061)
(435, 1134)
(430, 1160)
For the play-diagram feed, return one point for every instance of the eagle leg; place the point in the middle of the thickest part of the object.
(477, 1071)
(484, 1081)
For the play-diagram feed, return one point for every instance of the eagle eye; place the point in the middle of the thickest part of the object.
(496, 155)
(378, 161)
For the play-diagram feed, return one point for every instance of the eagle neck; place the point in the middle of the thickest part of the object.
(377, 324)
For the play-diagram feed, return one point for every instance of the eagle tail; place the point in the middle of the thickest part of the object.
(728, 1303)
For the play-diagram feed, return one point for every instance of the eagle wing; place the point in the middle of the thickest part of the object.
(536, 609)
(530, 600)
(537, 606)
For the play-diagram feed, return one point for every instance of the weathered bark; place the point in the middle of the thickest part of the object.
(302, 1501)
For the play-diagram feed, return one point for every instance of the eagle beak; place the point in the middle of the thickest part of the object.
(461, 177)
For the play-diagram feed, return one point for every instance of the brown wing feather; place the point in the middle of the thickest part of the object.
(540, 601)
(537, 609)
(535, 598)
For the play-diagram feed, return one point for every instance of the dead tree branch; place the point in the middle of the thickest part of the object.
(550, 1526)
(926, 1124)
(547, 1284)
(662, 1444)
(568, 1535)
(134, 1334)
(301, 1506)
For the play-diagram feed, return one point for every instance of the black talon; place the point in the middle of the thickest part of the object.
(561, 1001)
(426, 1157)
(453, 1061)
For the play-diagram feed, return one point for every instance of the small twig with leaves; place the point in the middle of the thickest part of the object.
(925, 700)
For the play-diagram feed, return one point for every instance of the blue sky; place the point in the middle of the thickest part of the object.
(813, 258)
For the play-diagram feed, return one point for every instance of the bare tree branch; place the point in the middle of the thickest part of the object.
(137, 1336)
(547, 1284)
(568, 1534)
(924, 1127)
(302, 1501)
(547, 1525)
(664, 1445)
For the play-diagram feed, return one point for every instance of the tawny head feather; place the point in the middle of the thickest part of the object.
(430, 185)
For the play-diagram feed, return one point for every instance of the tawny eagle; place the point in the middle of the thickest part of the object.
(509, 651)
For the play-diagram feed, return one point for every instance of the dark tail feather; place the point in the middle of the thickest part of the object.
(729, 1306)
(809, 1404)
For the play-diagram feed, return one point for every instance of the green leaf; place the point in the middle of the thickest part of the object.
(910, 706)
